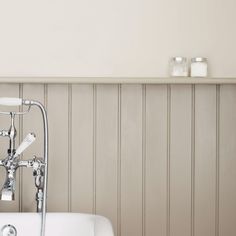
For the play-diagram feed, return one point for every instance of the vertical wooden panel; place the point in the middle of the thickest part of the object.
(32, 122)
(9, 90)
(227, 157)
(58, 151)
(156, 159)
(82, 148)
(131, 160)
(106, 152)
(205, 159)
(180, 161)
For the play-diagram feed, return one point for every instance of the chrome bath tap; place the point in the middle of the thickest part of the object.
(12, 160)
(12, 163)
(7, 192)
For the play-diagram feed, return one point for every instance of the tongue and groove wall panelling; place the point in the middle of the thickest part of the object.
(180, 160)
(205, 160)
(9, 90)
(32, 122)
(227, 161)
(82, 159)
(156, 160)
(106, 151)
(58, 188)
(131, 160)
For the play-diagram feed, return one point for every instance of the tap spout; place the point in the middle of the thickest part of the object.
(7, 192)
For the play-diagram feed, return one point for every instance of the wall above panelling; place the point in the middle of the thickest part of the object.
(114, 38)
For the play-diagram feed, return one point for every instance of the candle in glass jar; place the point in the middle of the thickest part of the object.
(199, 67)
(179, 67)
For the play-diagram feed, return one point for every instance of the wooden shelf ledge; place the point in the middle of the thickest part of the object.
(116, 80)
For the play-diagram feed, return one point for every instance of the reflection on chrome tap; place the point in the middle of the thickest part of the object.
(8, 190)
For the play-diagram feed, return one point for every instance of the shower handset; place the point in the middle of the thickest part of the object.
(5, 101)
(11, 101)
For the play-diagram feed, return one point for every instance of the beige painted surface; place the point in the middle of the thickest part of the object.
(106, 151)
(82, 143)
(155, 159)
(227, 161)
(131, 160)
(206, 157)
(114, 38)
(180, 160)
(58, 171)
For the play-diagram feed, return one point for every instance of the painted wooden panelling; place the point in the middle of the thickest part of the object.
(180, 160)
(205, 160)
(106, 151)
(82, 162)
(155, 159)
(58, 171)
(131, 160)
(227, 161)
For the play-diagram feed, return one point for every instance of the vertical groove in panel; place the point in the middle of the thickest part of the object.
(45, 103)
(119, 163)
(46, 96)
(143, 160)
(69, 143)
(193, 161)
(94, 144)
(217, 159)
(20, 140)
(168, 158)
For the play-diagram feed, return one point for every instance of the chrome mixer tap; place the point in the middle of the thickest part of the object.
(12, 161)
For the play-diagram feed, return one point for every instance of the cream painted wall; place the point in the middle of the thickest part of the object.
(114, 38)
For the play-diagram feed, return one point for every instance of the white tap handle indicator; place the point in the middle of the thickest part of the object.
(10, 101)
(29, 139)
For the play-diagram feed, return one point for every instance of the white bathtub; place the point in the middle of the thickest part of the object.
(58, 224)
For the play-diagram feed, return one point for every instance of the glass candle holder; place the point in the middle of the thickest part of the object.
(179, 67)
(199, 67)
